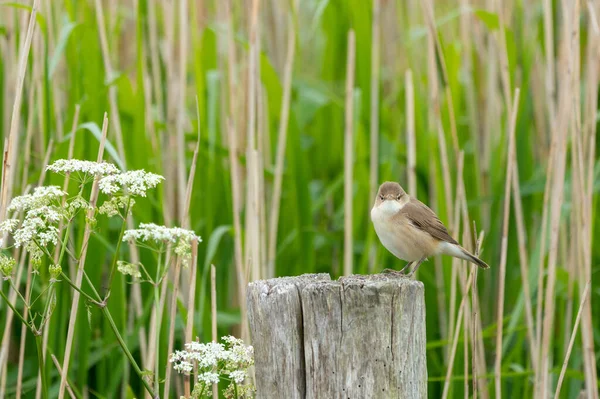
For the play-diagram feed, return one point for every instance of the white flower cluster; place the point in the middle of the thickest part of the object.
(41, 196)
(150, 232)
(9, 225)
(229, 360)
(40, 224)
(135, 182)
(64, 166)
(160, 234)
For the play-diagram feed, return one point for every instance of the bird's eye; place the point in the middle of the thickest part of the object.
(398, 197)
(381, 197)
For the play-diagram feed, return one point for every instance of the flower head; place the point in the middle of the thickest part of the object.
(41, 196)
(230, 360)
(135, 182)
(128, 269)
(9, 225)
(153, 233)
(112, 207)
(64, 166)
(7, 264)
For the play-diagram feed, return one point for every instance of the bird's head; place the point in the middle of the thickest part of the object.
(392, 196)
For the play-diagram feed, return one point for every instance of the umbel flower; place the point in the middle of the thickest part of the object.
(229, 360)
(161, 235)
(40, 224)
(135, 182)
(41, 196)
(84, 169)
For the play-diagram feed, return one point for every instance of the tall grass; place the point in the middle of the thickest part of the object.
(298, 123)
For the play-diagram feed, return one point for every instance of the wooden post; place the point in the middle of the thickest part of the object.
(275, 318)
(358, 337)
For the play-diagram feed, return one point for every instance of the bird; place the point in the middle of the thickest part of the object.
(411, 231)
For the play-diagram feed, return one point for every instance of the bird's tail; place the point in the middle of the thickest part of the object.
(459, 252)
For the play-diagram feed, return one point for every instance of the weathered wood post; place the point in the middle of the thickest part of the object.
(358, 337)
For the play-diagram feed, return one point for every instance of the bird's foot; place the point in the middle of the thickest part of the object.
(391, 271)
(399, 273)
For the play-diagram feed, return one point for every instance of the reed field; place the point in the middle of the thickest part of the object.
(273, 123)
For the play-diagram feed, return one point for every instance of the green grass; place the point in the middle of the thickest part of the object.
(66, 68)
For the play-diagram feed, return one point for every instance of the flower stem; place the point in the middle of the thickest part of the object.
(68, 280)
(157, 324)
(135, 366)
(115, 330)
(40, 353)
(114, 262)
(15, 311)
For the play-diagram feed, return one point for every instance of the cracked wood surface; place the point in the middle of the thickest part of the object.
(359, 337)
(275, 318)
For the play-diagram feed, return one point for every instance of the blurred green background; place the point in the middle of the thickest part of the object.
(172, 70)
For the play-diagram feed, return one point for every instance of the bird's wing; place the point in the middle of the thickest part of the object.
(423, 218)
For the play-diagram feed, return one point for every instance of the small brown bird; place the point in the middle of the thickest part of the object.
(412, 231)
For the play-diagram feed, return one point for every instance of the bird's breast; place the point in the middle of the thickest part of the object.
(401, 238)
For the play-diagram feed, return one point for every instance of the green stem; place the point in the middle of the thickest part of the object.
(12, 284)
(40, 353)
(72, 284)
(135, 366)
(114, 262)
(235, 391)
(157, 323)
(115, 330)
(15, 311)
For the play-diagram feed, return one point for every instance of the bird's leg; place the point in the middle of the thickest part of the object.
(392, 271)
(416, 267)
(406, 267)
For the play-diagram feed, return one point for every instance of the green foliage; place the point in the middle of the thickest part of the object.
(70, 71)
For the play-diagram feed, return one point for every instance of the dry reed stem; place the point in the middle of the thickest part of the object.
(455, 337)
(237, 228)
(563, 370)
(504, 248)
(281, 145)
(57, 365)
(524, 260)
(156, 325)
(374, 112)
(181, 91)
(231, 63)
(557, 194)
(49, 150)
(476, 324)
(22, 342)
(439, 271)
(348, 153)
(549, 52)
(172, 318)
(79, 277)
(109, 73)
(411, 143)
(189, 324)
(476, 336)
(29, 134)
(253, 197)
(6, 336)
(592, 102)
(12, 144)
(213, 317)
(428, 12)
(435, 121)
